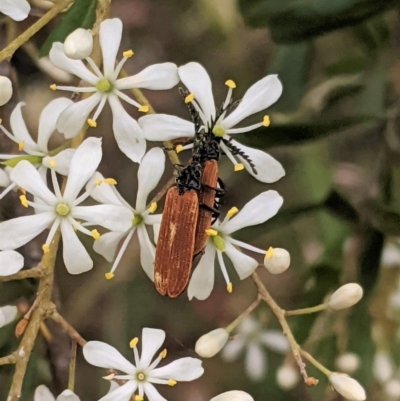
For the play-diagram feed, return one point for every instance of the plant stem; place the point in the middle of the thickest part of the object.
(306, 311)
(72, 367)
(244, 314)
(74, 335)
(318, 365)
(35, 272)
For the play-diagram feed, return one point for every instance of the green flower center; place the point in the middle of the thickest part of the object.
(219, 131)
(62, 209)
(141, 377)
(219, 243)
(137, 220)
(104, 85)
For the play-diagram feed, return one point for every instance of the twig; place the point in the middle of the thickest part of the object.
(35, 272)
(306, 311)
(9, 359)
(244, 314)
(75, 336)
(72, 367)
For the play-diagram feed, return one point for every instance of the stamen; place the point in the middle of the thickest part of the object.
(110, 181)
(128, 53)
(45, 248)
(232, 211)
(91, 123)
(163, 353)
(229, 288)
(223, 268)
(98, 182)
(53, 87)
(230, 84)
(109, 276)
(21, 145)
(153, 207)
(270, 253)
(95, 234)
(138, 398)
(109, 377)
(211, 232)
(144, 109)
(189, 98)
(24, 201)
(178, 149)
(266, 121)
(52, 163)
(171, 382)
(238, 167)
(133, 342)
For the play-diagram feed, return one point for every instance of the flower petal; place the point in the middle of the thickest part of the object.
(17, 232)
(163, 127)
(255, 362)
(107, 245)
(76, 257)
(18, 127)
(17, 10)
(68, 395)
(73, 118)
(4, 179)
(152, 393)
(243, 264)
(113, 217)
(147, 252)
(202, 280)
(103, 355)
(62, 161)
(258, 97)
(75, 67)
(275, 340)
(152, 340)
(7, 314)
(110, 39)
(257, 211)
(157, 77)
(149, 175)
(196, 79)
(269, 170)
(184, 370)
(11, 262)
(127, 132)
(233, 348)
(84, 163)
(48, 120)
(122, 393)
(105, 193)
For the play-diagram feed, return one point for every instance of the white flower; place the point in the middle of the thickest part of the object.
(348, 362)
(62, 210)
(383, 366)
(106, 86)
(277, 260)
(78, 44)
(42, 393)
(211, 343)
(251, 338)
(141, 376)
(18, 10)
(287, 377)
(5, 182)
(257, 211)
(7, 314)
(345, 296)
(6, 89)
(234, 395)
(149, 174)
(162, 127)
(347, 387)
(392, 389)
(38, 150)
(11, 262)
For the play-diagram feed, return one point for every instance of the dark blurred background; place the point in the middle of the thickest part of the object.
(336, 132)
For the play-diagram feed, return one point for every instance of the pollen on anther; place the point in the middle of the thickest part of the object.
(153, 207)
(133, 342)
(110, 181)
(189, 98)
(211, 232)
(53, 87)
(269, 253)
(109, 276)
(138, 398)
(98, 182)
(91, 123)
(128, 53)
(23, 200)
(45, 248)
(144, 109)
(52, 163)
(239, 167)
(163, 353)
(95, 234)
(171, 382)
(232, 211)
(229, 288)
(266, 121)
(109, 377)
(178, 148)
(230, 84)
(21, 145)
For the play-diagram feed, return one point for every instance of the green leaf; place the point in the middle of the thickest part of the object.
(14, 161)
(80, 15)
(293, 21)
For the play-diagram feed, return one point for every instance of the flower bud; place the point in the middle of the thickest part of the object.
(348, 362)
(277, 260)
(78, 44)
(347, 387)
(6, 90)
(287, 376)
(235, 395)
(344, 297)
(211, 343)
(7, 314)
(383, 367)
(392, 389)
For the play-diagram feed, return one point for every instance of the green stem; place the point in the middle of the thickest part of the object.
(317, 364)
(306, 311)
(243, 315)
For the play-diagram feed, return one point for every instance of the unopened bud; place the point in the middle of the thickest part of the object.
(211, 343)
(6, 90)
(392, 389)
(78, 44)
(344, 297)
(277, 260)
(287, 377)
(235, 395)
(348, 362)
(383, 367)
(16, 10)
(20, 328)
(7, 314)
(347, 387)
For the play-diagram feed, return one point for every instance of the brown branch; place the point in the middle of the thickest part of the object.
(75, 336)
(9, 359)
(35, 272)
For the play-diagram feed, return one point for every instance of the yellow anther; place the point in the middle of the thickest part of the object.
(128, 53)
(153, 207)
(23, 200)
(230, 84)
(91, 123)
(171, 382)
(21, 145)
(45, 248)
(163, 353)
(98, 182)
(109, 275)
(138, 398)
(144, 109)
(52, 163)
(53, 87)
(178, 149)
(229, 288)
(266, 121)
(239, 167)
(95, 234)
(109, 377)
(133, 342)
(189, 98)
(22, 190)
(232, 211)
(211, 232)
(269, 253)
(110, 181)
